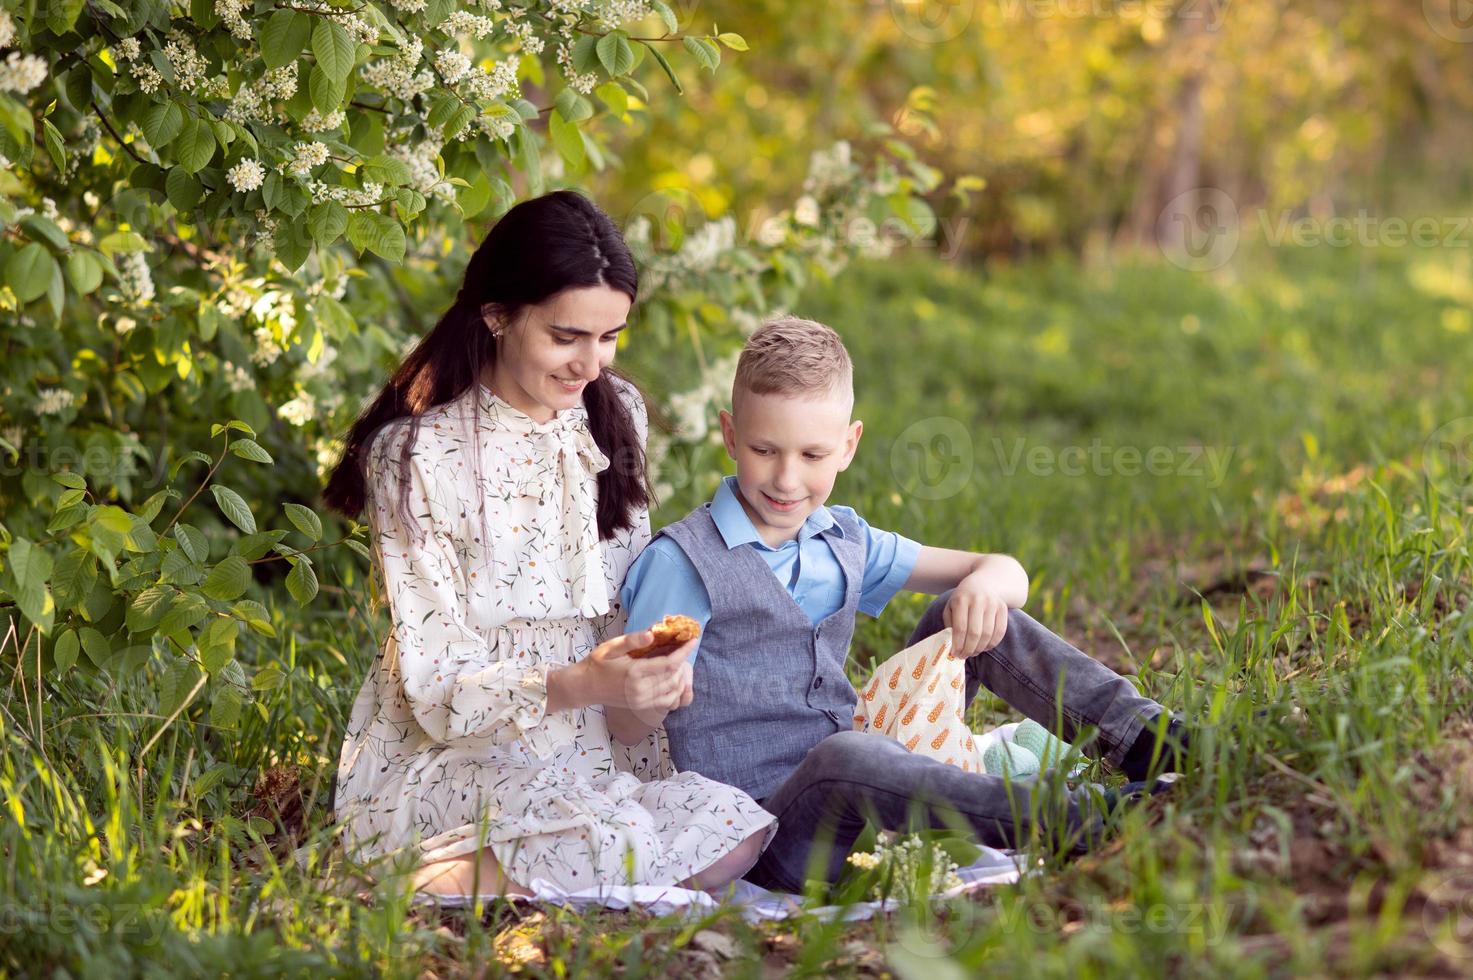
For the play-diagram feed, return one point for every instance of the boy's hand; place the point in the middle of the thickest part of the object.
(978, 618)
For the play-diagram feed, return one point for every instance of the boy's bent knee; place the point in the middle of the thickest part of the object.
(846, 751)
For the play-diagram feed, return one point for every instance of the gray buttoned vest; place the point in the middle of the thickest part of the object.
(769, 686)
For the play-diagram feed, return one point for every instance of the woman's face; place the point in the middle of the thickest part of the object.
(554, 349)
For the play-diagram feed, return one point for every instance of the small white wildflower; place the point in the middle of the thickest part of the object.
(124, 325)
(246, 175)
(54, 401)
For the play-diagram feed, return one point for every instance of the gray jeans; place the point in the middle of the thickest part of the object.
(853, 776)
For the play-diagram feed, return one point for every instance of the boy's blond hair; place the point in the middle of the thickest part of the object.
(793, 356)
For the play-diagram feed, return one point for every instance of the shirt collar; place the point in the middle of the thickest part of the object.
(736, 527)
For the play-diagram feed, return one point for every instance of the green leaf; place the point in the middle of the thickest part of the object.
(29, 271)
(268, 678)
(326, 92)
(61, 15)
(253, 546)
(254, 615)
(616, 53)
(706, 53)
(84, 271)
(70, 480)
(192, 542)
(612, 94)
(567, 140)
(122, 242)
(55, 145)
(664, 63)
(585, 54)
(574, 107)
(65, 651)
(233, 506)
(283, 37)
(189, 611)
(162, 123)
(98, 650)
(228, 579)
(145, 611)
(734, 41)
(667, 15)
(195, 145)
(177, 681)
(333, 48)
(217, 644)
(193, 454)
(301, 581)
(305, 520)
(225, 706)
(328, 221)
(43, 228)
(378, 233)
(250, 449)
(184, 189)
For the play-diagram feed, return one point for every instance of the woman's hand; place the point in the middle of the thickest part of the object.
(648, 687)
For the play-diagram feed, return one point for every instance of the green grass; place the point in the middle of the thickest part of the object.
(1324, 570)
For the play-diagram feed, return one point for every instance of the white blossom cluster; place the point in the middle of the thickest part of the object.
(7, 29)
(452, 65)
(400, 76)
(238, 378)
(327, 452)
(353, 197)
(424, 170)
(189, 67)
(54, 401)
(265, 228)
(300, 410)
(500, 82)
(267, 348)
(232, 13)
(315, 122)
(830, 169)
(501, 127)
(583, 83)
(409, 6)
(307, 156)
(125, 325)
(523, 31)
(22, 72)
(134, 278)
(246, 175)
(462, 23)
(252, 102)
(311, 370)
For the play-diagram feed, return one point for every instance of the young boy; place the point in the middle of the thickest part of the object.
(775, 578)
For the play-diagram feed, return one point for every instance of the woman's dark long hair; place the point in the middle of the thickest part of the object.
(539, 248)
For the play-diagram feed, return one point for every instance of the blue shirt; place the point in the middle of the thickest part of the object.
(662, 579)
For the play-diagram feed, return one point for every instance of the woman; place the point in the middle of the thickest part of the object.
(481, 737)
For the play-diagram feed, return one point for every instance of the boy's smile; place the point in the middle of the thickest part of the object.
(788, 450)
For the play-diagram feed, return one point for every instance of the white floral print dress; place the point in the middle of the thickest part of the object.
(450, 745)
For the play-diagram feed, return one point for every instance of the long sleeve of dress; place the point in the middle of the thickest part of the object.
(460, 689)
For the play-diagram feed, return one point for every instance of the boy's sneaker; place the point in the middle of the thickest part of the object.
(1173, 754)
(1176, 741)
(1137, 790)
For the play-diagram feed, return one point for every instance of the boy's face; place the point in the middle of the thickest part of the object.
(788, 450)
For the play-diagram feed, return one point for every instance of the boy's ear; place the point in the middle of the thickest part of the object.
(851, 443)
(728, 432)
